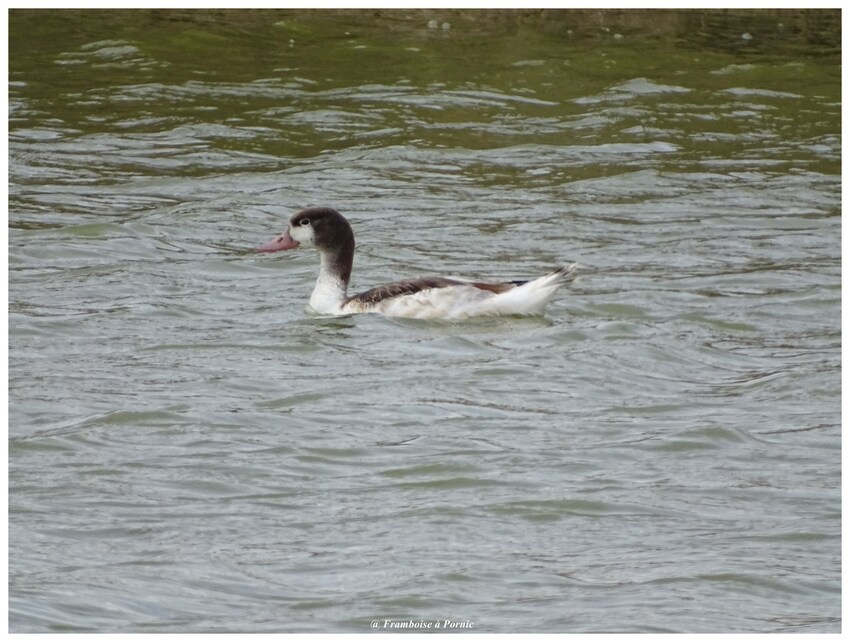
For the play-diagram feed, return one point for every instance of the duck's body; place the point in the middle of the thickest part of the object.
(425, 298)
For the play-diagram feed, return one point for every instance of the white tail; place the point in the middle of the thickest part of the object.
(533, 296)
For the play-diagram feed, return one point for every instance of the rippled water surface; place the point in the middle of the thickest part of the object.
(192, 451)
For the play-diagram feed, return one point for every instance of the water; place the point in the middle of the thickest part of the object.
(192, 451)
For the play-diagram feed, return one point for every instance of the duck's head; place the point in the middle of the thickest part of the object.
(321, 227)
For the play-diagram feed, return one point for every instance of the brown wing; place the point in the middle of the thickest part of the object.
(498, 288)
(400, 288)
(411, 286)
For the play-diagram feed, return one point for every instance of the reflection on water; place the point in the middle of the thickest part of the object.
(191, 450)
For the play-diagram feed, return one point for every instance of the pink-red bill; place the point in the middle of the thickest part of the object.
(281, 242)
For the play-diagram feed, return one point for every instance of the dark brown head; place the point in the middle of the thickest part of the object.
(321, 227)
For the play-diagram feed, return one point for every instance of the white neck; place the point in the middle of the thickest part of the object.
(331, 291)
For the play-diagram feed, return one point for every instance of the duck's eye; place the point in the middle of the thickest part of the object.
(305, 221)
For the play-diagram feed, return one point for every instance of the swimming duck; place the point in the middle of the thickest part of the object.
(431, 297)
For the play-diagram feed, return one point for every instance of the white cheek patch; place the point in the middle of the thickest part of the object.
(303, 234)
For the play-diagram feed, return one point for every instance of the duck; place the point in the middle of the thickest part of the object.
(429, 297)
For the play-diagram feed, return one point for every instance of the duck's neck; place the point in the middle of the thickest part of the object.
(331, 291)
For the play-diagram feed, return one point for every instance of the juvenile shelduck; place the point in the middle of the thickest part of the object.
(431, 297)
